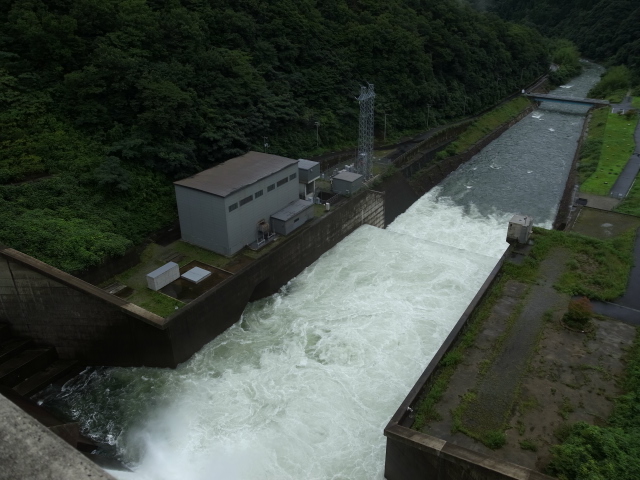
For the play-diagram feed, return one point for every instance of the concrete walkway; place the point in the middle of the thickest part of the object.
(496, 392)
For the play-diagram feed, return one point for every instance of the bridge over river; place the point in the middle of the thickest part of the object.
(565, 99)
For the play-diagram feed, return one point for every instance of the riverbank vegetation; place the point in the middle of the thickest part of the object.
(566, 57)
(613, 85)
(484, 125)
(616, 145)
(592, 144)
(104, 104)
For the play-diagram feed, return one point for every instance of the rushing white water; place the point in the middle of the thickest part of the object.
(303, 386)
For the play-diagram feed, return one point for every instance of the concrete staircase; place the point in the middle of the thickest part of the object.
(25, 369)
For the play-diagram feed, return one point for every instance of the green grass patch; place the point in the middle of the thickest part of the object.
(635, 102)
(592, 145)
(617, 146)
(155, 302)
(616, 96)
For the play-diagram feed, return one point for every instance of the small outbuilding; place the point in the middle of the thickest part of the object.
(308, 173)
(346, 183)
(163, 276)
(292, 216)
(520, 229)
(229, 206)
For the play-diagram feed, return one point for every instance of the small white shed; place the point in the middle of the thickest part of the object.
(163, 276)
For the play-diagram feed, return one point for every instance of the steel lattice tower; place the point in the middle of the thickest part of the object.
(365, 134)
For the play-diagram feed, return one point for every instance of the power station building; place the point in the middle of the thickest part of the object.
(230, 205)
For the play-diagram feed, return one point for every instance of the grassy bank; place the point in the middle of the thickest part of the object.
(617, 145)
(484, 125)
(592, 145)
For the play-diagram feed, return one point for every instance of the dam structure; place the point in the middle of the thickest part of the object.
(304, 384)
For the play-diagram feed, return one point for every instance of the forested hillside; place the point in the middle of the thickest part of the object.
(604, 30)
(104, 102)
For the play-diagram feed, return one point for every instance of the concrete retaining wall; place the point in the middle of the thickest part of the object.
(413, 455)
(84, 322)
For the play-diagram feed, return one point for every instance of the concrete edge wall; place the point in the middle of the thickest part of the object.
(28, 450)
(80, 285)
(85, 323)
(564, 207)
(413, 455)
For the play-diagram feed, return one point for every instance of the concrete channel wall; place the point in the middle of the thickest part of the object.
(86, 323)
(413, 455)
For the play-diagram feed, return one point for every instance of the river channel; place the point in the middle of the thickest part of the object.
(303, 385)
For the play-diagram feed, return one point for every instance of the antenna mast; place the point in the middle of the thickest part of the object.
(365, 131)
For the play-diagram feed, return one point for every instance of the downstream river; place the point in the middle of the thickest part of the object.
(303, 385)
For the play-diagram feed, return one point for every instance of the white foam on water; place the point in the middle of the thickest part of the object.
(304, 385)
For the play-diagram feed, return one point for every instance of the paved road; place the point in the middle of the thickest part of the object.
(625, 180)
(627, 307)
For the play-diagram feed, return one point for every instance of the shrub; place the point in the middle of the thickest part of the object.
(494, 439)
(579, 313)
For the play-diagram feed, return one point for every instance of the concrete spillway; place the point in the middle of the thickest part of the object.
(303, 386)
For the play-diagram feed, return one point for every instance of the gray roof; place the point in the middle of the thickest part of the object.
(347, 176)
(306, 164)
(292, 209)
(237, 173)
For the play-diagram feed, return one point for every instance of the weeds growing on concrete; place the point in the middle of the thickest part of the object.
(426, 411)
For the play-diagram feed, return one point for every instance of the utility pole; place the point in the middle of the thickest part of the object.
(385, 127)
(317, 134)
(428, 110)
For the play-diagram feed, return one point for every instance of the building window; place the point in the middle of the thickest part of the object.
(283, 181)
(296, 220)
(258, 193)
(293, 176)
(246, 200)
(271, 187)
(233, 207)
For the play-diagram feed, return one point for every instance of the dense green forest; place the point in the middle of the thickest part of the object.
(603, 30)
(104, 103)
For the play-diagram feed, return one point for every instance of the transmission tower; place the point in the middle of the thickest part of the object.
(365, 133)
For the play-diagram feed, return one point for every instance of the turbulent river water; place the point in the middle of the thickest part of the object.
(303, 385)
